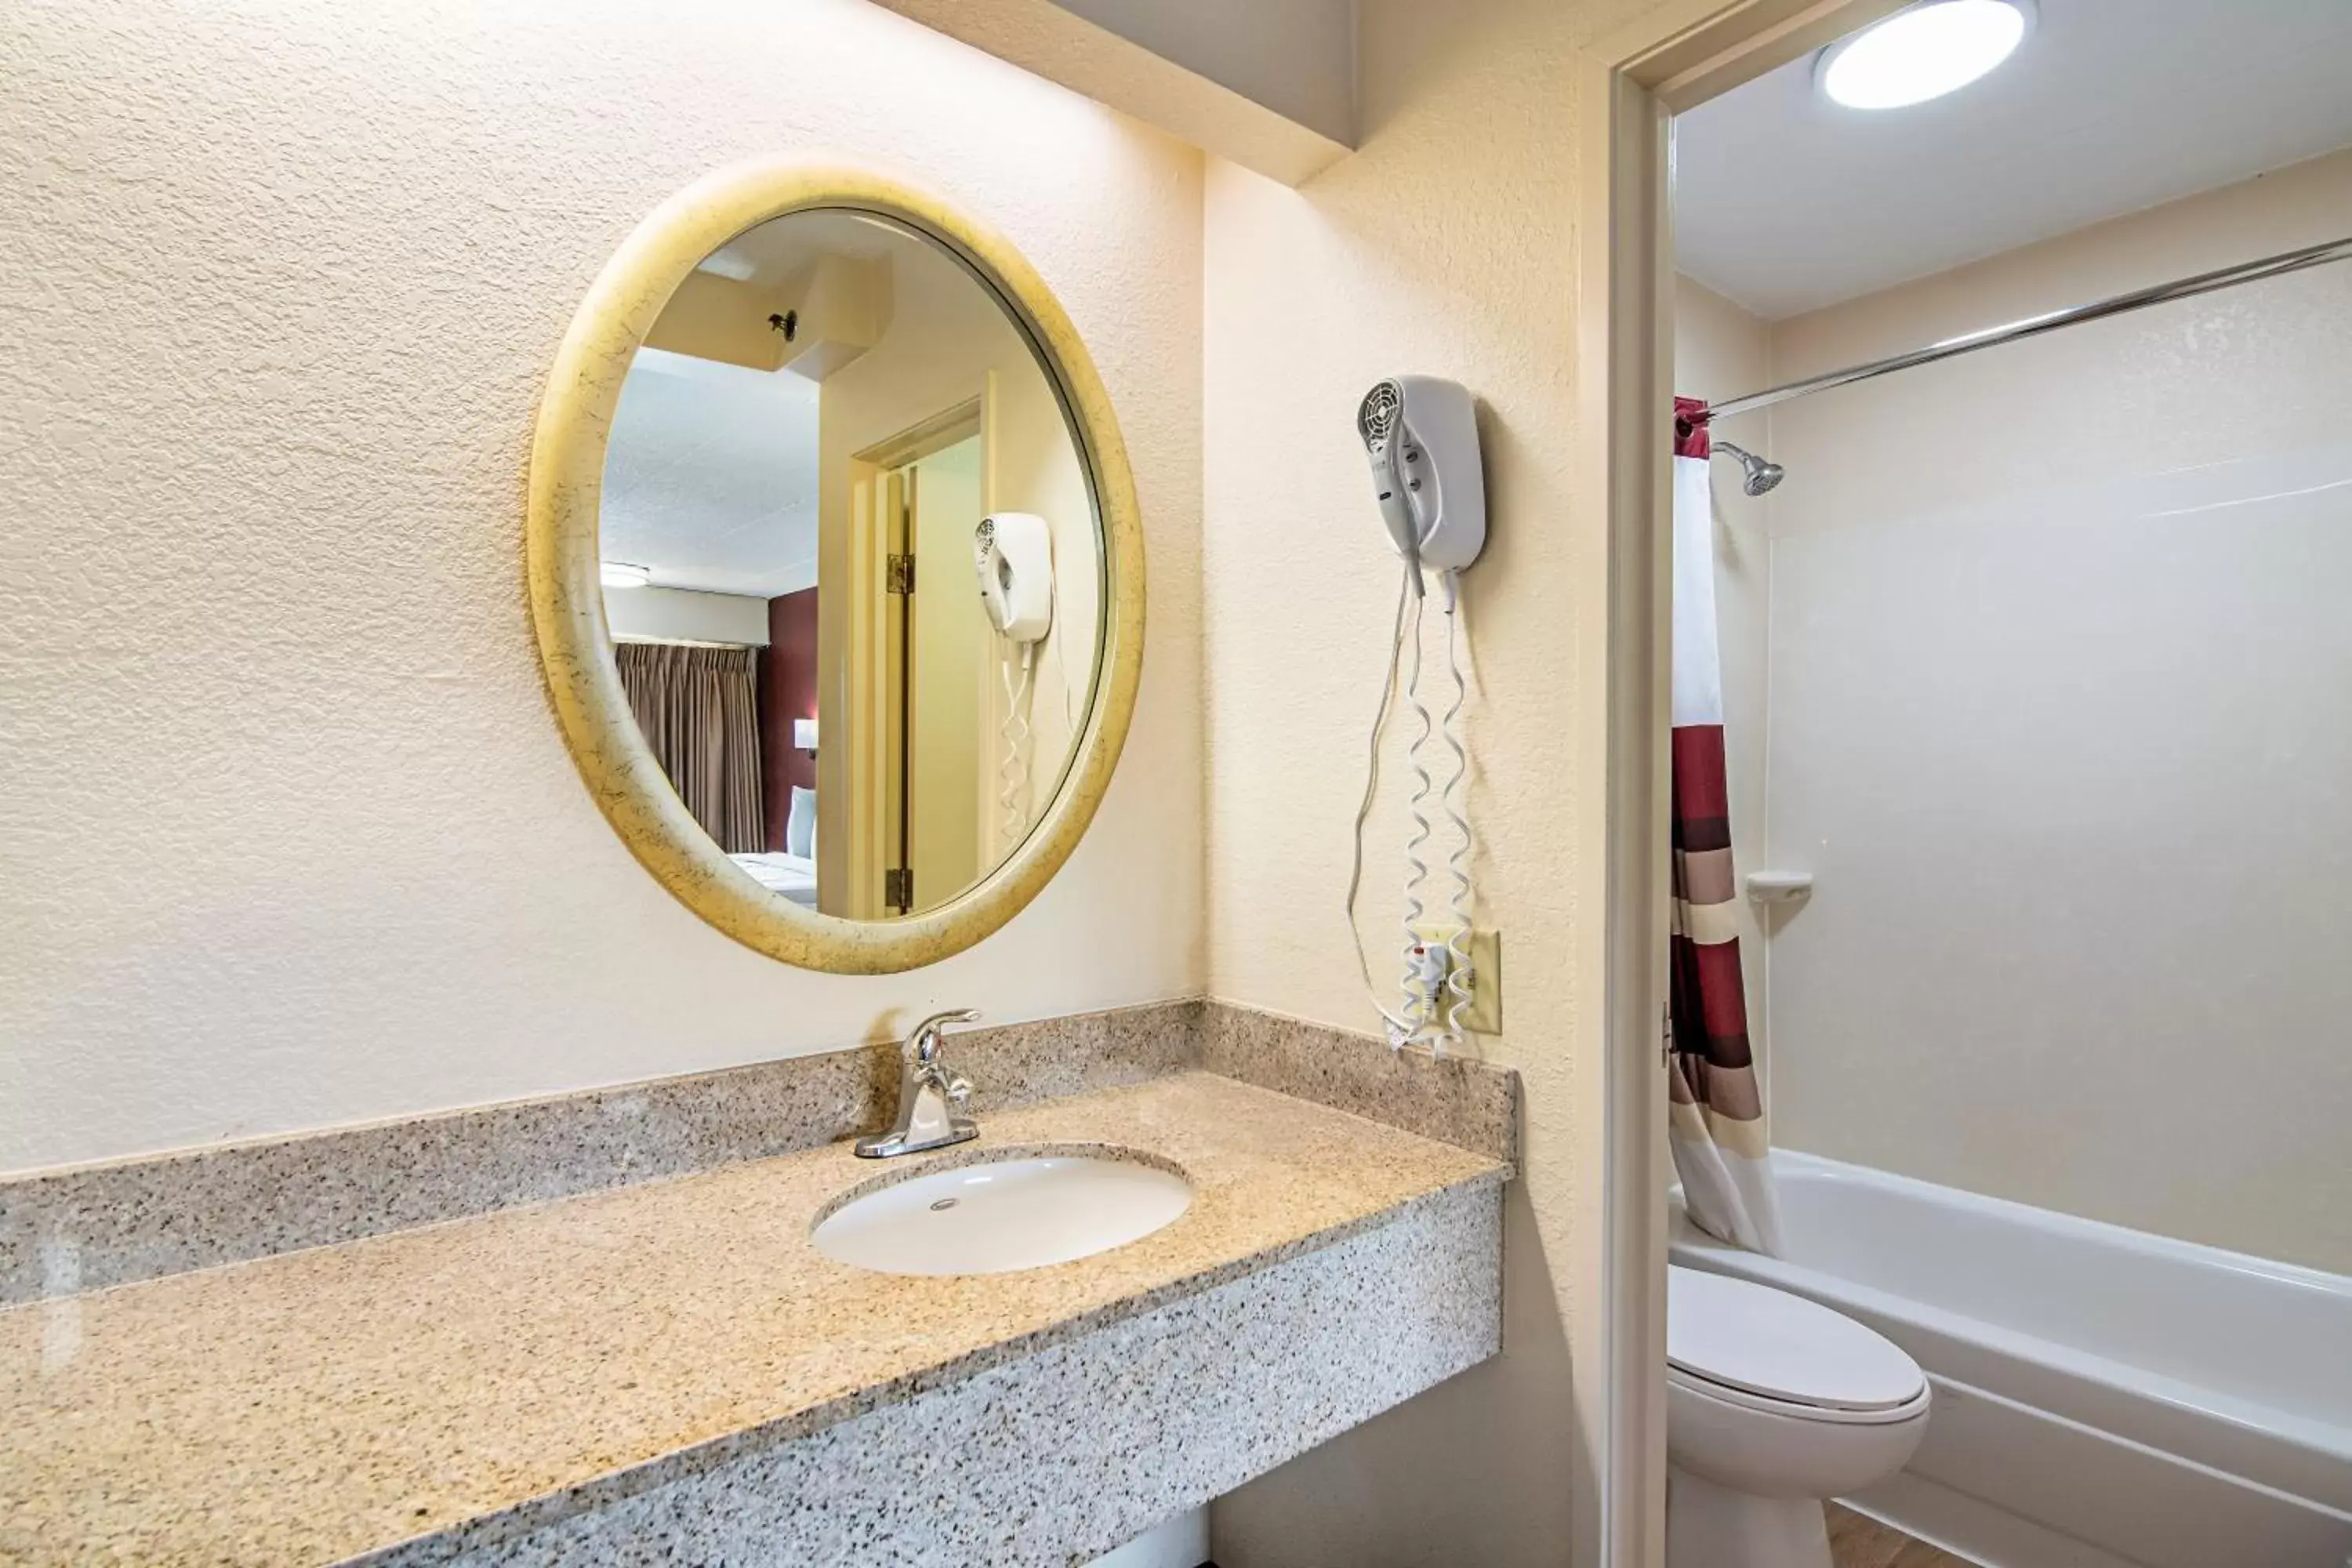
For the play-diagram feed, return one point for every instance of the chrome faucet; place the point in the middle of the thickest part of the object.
(930, 1097)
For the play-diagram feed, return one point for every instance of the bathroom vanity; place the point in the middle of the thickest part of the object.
(604, 1328)
(672, 1367)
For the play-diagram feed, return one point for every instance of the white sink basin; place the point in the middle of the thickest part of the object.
(1003, 1214)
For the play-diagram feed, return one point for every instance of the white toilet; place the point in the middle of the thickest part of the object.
(1774, 1403)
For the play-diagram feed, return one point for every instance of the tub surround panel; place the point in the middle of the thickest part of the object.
(2093, 631)
(86, 1227)
(530, 1364)
(1073, 1451)
(1454, 1099)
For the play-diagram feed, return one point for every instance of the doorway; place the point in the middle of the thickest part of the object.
(1633, 82)
(935, 681)
(920, 658)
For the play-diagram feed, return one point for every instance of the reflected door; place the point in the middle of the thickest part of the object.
(938, 704)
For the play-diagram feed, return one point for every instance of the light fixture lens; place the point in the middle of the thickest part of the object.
(1922, 53)
(621, 574)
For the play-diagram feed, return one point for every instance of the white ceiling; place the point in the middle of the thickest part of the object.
(1784, 202)
(712, 473)
(710, 476)
(769, 254)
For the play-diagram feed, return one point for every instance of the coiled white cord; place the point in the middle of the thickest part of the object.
(1401, 1028)
(1012, 773)
(1420, 1006)
(1458, 976)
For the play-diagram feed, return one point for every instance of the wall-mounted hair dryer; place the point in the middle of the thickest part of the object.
(1013, 554)
(1422, 435)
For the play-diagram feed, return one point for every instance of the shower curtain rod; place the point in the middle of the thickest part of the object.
(2035, 326)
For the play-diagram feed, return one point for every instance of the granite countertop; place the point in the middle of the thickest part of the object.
(318, 1405)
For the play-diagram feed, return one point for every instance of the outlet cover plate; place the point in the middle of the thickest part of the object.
(1484, 1013)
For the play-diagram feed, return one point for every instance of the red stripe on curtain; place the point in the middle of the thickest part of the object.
(1702, 788)
(1722, 1001)
(1690, 428)
(1709, 1003)
(1709, 996)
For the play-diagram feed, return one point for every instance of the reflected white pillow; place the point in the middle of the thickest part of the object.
(800, 826)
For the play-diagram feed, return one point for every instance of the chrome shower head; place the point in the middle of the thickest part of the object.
(1762, 473)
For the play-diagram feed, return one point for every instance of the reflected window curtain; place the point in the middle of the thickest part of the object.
(1715, 1108)
(698, 709)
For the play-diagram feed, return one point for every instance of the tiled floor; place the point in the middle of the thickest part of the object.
(1857, 1542)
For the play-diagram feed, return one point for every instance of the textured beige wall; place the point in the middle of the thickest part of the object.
(2057, 675)
(1446, 245)
(297, 842)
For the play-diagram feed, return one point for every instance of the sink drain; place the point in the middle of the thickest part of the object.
(945, 1203)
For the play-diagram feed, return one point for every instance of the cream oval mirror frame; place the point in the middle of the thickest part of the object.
(567, 465)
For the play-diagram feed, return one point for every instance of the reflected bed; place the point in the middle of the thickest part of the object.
(795, 876)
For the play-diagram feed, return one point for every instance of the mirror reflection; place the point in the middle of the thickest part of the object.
(851, 564)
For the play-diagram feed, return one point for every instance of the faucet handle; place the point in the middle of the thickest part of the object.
(924, 1042)
(930, 1096)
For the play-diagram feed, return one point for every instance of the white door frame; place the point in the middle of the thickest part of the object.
(1629, 85)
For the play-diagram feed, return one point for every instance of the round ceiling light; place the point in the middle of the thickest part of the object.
(623, 574)
(1922, 52)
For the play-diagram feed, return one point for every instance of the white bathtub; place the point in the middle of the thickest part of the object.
(2102, 1396)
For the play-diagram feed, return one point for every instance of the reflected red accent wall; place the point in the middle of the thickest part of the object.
(787, 691)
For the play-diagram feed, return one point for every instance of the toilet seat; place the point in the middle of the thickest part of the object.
(1761, 1349)
(1828, 1415)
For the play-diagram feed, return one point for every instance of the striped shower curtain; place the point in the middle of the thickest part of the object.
(1717, 1126)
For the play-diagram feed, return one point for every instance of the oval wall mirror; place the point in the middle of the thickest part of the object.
(835, 564)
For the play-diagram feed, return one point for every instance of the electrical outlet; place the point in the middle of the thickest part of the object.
(1484, 1013)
